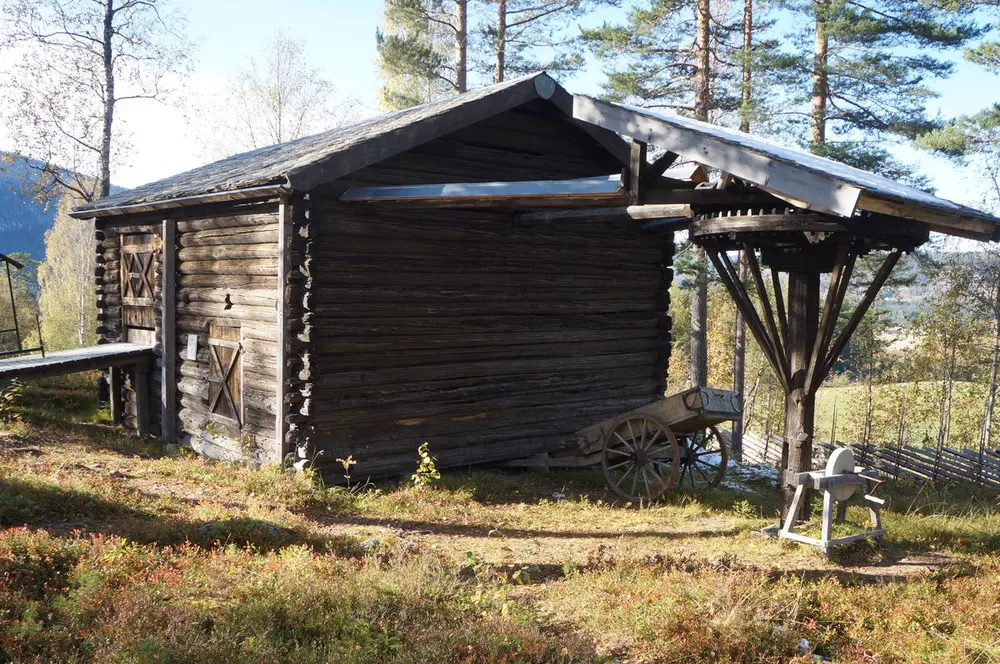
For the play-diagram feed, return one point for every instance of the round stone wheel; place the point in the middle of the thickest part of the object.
(703, 460)
(840, 462)
(640, 458)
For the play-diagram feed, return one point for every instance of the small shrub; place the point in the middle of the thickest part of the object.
(427, 472)
(10, 395)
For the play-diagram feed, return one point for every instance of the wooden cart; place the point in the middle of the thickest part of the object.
(669, 443)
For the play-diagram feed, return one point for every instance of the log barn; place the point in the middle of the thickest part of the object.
(487, 273)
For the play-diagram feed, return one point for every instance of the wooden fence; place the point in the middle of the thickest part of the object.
(906, 461)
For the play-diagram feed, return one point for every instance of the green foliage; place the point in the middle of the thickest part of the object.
(66, 280)
(650, 58)
(427, 472)
(10, 396)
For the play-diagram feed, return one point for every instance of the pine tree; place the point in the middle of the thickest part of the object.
(422, 51)
(866, 66)
(518, 37)
(695, 58)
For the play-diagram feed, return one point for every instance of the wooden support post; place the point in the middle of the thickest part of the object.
(168, 358)
(800, 401)
(115, 394)
(636, 173)
(140, 383)
(281, 375)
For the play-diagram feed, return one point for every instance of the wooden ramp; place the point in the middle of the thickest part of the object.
(108, 356)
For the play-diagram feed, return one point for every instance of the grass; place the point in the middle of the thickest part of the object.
(112, 550)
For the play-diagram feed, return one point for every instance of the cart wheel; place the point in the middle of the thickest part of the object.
(640, 458)
(703, 459)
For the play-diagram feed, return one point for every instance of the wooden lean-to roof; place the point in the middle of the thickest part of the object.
(798, 177)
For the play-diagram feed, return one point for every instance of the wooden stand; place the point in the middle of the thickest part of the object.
(828, 484)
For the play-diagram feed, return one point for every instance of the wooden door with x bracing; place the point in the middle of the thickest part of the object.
(225, 383)
(139, 254)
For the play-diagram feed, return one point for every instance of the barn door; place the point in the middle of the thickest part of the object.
(225, 382)
(138, 276)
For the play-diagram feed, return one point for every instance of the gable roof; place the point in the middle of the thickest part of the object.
(306, 162)
(804, 179)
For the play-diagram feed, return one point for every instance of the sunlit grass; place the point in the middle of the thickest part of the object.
(113, 549)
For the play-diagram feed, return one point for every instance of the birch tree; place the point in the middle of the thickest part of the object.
(66, 288)
(271, 98)
(79, 62)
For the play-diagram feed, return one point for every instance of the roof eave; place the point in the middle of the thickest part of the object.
(237, 195)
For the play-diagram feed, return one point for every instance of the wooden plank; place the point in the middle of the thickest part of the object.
(140, 384)
(168, 330)
(486, 192)
(115, 394)
(680, 214)
(961, 222)
(60, 363)
(281, 363)
(819, 191)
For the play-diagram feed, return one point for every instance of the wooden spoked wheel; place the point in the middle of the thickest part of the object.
(640, 458)
(703, 459)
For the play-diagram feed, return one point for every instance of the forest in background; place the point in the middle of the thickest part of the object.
(843, 78)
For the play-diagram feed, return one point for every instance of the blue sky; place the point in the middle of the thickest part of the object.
(340, 39)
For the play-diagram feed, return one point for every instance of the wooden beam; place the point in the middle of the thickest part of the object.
(730, 278)
(779, 302)
(820, 190)
(837, 290)
(661, 192)
(636, 173)
(659, 167)
(679, 213)
(961, 223)
(168, 330)
(248, 194)
(115, 394)
(140, 383)
(281, 321)
(765, 303)
(870, 295)
(466, 193)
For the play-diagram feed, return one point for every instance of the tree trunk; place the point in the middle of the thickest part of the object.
(746, 91)
(501, 41)
(986, 435)
(699, 298)
(800, 403)
(104, 176)
(819, 78)
(739, 370)
(461, 45)
(702, 77)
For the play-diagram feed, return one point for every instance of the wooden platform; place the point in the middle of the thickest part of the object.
(63, 362)
(107, 356)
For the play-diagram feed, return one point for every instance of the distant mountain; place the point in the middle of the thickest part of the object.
(23, 222)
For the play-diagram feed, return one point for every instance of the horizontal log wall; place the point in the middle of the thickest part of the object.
(227, 274)
(488, 339)
(110, 327)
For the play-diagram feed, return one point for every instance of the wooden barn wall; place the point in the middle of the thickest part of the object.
(109, 308)
(227, 277)
(485, 338)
